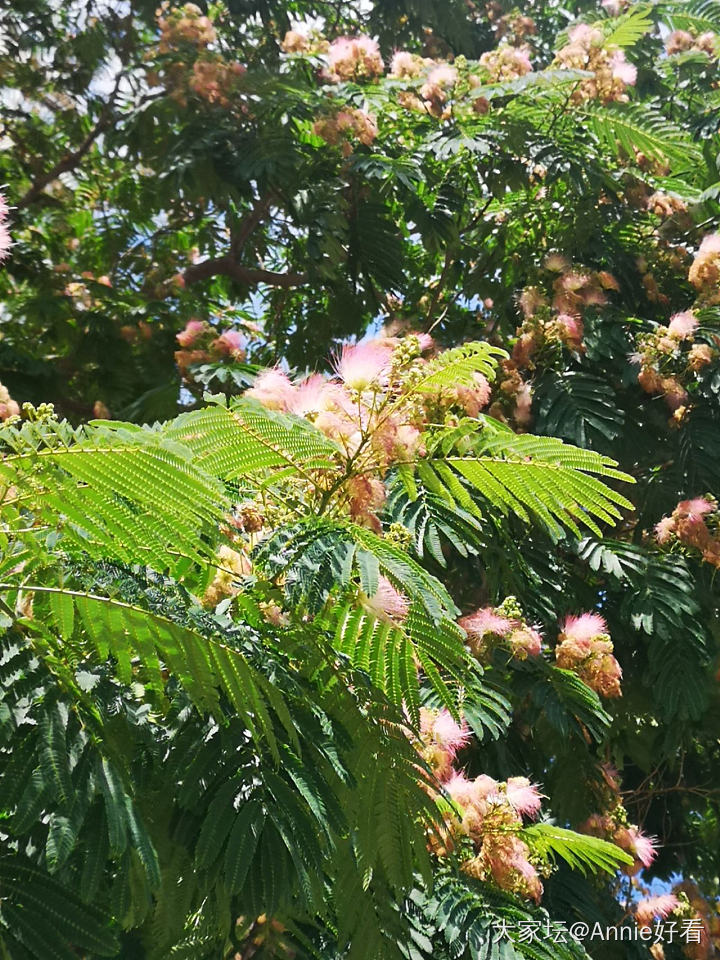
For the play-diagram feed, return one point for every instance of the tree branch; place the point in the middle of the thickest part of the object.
(228, 267)
(72, 159)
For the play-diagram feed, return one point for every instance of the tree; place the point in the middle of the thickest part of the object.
(285, 670)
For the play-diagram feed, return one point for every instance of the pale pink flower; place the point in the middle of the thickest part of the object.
(664, 529)
(193, 330)
(645, 847)
(352, 58)
(425, 342)
(273, 390)
(461, 790)
(484, 621)
(695, 508)
(524, 796)
(638, 845)
(683, 325)
(622, 69)
(586, 35)
(387, 602)
(484, 787)
(443, 75)
(448, 733)
(231, 343)
(4, 208)
(5, 240)
(525, 642)
(405, 64)
(585, 627)
(656, 907)
(572, 329)
(474, 397)
(523, 405)
(364, 365)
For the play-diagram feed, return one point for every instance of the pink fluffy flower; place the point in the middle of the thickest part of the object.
(443, 75)
(524, 796)
(351, 58)
(694, 509)
(460, 789)
(622, 70)
(474, 397)
(448, 733)
(4, 208)
(525, 642)
(193, 330)
(584, 627)
(364, 365)
(405, 64)
(683, 325)
(642, 847)
(273, 389)
(5, 240)
(664, 529)
(388, 603)
(656, 907)
(483, 621)
(231, 343)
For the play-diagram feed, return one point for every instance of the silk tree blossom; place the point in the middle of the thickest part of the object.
(364, 365)
(655, 908)
(683, 325)
(273, 389)
(443, 75)
(506, 63)
(488, 626)
(388, 603)
(355, 58)
(194, 329)
(704, 272)
(695, 524)
(585, 648)
(640, 846)
(406, 65)
(232, 344)
(523, 796)
(5, 239)
(475, 397)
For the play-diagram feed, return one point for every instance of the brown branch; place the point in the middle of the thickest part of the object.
(228, 267)
(72, 159)
(241, 235)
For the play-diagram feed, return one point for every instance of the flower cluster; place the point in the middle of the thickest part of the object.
(8, 406)
(488, 813)
(513, 397)
(553, 313)
(185, 34)
(212, 79)
(183, 25)
(695, 524)
(682, 41)
(490, 627)
(230, 567)
(354, 58)
(587, 50)
(296, 41)
(506, 63)
(584, 646)
(669, 357)
(630, 838)
(201, 343)
(368, 408)
(704, 272)
(344, 127)
(5, 241)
